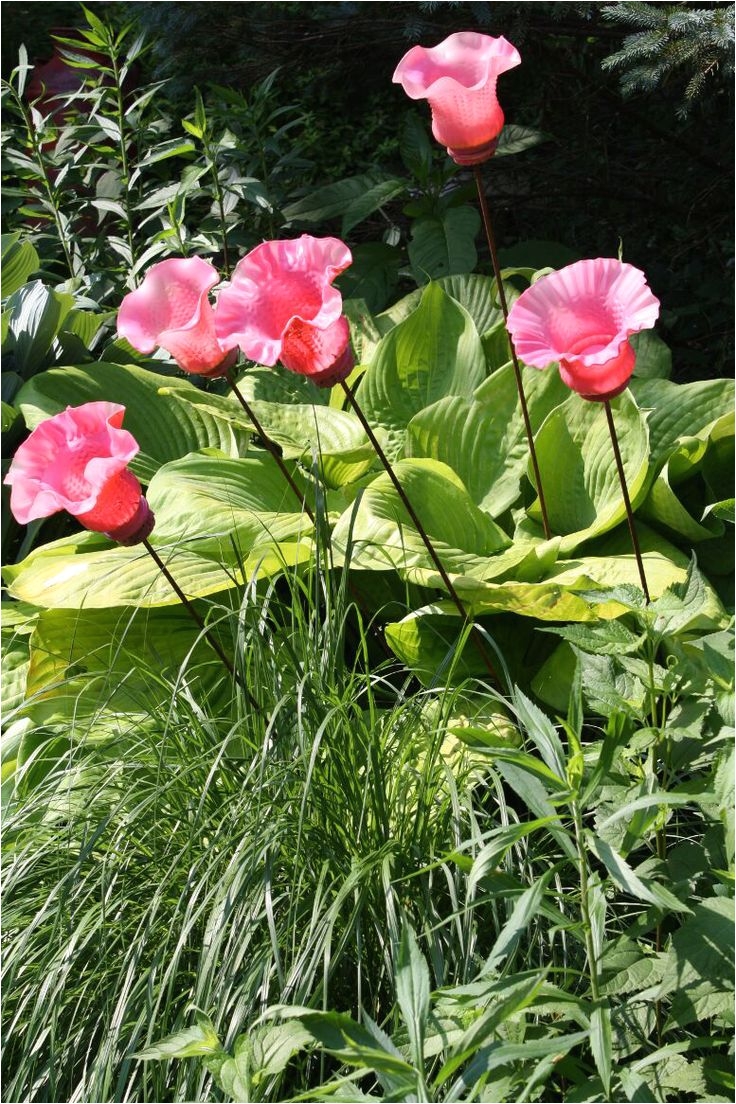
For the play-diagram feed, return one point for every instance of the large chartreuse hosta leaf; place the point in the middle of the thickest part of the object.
(164, 429)
(436, 351)
(576, 462)
(691, 430)
(380, 535)
(483, 437)
(331, 440)
(218, 522)
(84, 660)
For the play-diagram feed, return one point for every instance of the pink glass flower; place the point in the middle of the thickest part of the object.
(583, 317)
(281, 305)
(171, 309)
(78, 461)
(458, 77)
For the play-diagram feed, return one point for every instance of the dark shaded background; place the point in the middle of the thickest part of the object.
(614, 172)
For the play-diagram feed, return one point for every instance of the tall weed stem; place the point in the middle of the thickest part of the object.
(585, 900)
(51, 195)
(119, 107)
(488, 227)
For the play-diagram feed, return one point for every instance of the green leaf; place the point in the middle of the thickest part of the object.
(346, 199)
(264, 1052)
(164, 429)
(625, 968)
(334, 438)
(575, 456)
(444, 244)
(692, 519)
(502, 1053)
(612, 568)
(539, 728)
(362, 1045)
(434, 352)
(605, 638)
(503, 1000)
(19, 261)
(417, 152)
(412, 991)
(80, 658)
(473, 292)
(372, 276)
(680, 411)
(653, 356)
(198, 1040)
(701, 965)
(516, 139)
(601, 1042)
(36, 314)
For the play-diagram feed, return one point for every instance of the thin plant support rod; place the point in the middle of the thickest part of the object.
(627, 500)
(457, 601)
(271, 446)
(214, 644)
(488, 227)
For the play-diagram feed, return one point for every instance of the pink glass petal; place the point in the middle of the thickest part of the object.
(275, 284)
(322, 354)
(171, 310)
(600, 382)
(458, 78)
(584, 315)
(120, 511)
(77, 461)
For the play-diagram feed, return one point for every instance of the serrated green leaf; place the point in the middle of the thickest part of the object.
(601, 1042)
(412, 991)
(198, 1040)
(643, 890)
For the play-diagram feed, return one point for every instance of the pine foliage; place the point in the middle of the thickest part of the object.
(673, 44)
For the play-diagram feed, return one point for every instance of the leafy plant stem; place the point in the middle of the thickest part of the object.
(199, 621)
(488, 227)
(584, 900)
(48, 186)
(457, 602)
(627, 500)
(270, 445)
(124, 163)
(220, 199)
